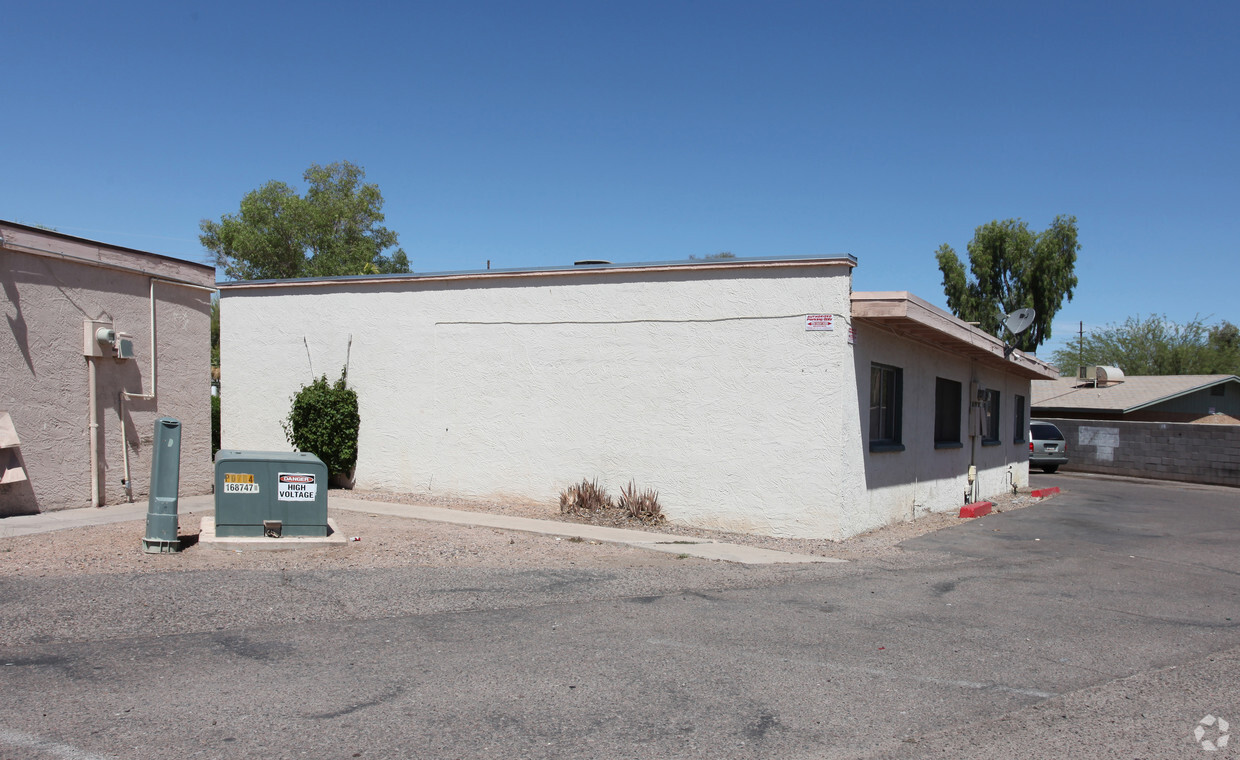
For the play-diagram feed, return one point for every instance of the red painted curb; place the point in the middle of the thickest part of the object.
(976, 509)
(1042, 493)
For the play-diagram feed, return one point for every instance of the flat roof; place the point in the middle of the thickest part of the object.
(908, 316)
(568, 270)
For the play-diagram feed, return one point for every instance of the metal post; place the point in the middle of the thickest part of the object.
(161, 511)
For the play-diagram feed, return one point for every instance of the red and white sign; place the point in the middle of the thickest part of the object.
(819, 322)
(852, 335)
(296, 486)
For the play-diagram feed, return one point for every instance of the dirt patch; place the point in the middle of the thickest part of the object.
(387, 541)
(880, 542)
(384, 542)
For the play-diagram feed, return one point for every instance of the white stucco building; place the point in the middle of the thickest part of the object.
(754, 395)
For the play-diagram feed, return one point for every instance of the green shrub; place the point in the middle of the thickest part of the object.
(324, 422)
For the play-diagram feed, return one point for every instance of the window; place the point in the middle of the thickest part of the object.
(886, 400)
(946, 414)
(1219, 390)
(1018, 420)
(1044, 431)
(990, 417)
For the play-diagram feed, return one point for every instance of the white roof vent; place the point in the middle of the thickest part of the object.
(1109, 375)
(1100, 376)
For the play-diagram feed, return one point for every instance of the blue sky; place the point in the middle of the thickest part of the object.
(537, 133)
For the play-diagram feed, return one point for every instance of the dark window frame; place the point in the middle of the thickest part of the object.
(1020, 423)
(947, 413)
(887, 411)
(989, 411)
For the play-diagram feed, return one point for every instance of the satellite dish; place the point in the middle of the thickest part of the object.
(1019, 321)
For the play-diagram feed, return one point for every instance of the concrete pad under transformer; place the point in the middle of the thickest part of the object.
(208, 539)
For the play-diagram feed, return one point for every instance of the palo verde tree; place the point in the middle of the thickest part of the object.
(1013, 267)
(334, 229)
(1154, 345)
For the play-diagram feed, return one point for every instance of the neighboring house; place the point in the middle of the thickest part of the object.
(1142, 398)
(1177, 427)
(756, 395)
(76, 416)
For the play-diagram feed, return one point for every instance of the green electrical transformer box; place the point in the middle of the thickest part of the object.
(270, 493)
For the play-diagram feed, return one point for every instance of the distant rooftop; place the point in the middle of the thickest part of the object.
(1135, 392)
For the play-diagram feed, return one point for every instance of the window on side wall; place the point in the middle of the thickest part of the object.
(947, 413)
(1018, 420)
(990, 417)
(886, 400)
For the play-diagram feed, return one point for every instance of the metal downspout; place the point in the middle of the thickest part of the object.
(140, 397)
(93, 427)
(124, 395)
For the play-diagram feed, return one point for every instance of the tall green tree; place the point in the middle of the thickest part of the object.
(1013, 267)
(1154, 345)
(334, 229)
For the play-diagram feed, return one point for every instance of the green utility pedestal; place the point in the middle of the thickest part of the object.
(270, 493)
(161, 510)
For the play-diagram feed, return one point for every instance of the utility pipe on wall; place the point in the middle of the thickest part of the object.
(93, 427)
(126, 395)
(95, 489)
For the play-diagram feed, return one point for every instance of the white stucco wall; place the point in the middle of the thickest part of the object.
(704, 385)
(701, 383)
(905, 484)
(44, 377)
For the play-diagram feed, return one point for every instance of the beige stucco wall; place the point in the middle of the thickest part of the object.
(703, 384)
(44, 376)
(904, 484)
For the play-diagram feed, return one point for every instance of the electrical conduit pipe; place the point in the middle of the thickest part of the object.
(93, 427)
(126, 395)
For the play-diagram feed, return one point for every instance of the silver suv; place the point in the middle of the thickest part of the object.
(1047, 447)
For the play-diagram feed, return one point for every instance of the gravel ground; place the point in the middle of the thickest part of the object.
(388, 542)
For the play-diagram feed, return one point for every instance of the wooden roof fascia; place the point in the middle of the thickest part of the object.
(909, 316)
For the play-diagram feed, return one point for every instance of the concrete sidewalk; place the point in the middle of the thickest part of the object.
(662, 542)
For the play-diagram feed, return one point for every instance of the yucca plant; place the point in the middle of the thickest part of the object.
(641, 505)
(585, 496)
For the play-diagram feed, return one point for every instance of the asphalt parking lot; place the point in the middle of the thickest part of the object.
(1100, 623)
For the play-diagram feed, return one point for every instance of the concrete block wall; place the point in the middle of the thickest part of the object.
(1168, 450)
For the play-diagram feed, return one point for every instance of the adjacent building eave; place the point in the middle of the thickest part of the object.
(36, 241)
(910, 317)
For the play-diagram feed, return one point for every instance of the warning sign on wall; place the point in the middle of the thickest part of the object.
(295, 486)
(239, 482)
(818, 322)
